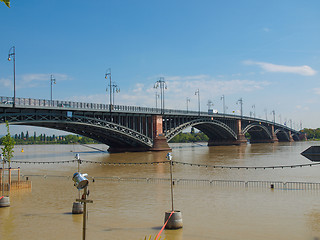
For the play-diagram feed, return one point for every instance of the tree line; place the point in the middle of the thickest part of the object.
(183, 137)
(312, 134)
(192, 136)
(25, 138)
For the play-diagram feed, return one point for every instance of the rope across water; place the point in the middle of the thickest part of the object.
(174, 162)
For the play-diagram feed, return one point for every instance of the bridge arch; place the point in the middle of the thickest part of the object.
(258, 132)
(215, 130)
(282, 135)
(114, 135)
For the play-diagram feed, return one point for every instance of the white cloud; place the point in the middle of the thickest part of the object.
(138, 88)
(6, 83)
(316, 91)
(178, 89)
(269, 67)
(95, 98)
(37, 79)
(299, 107)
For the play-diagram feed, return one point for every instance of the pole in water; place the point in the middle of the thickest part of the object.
(82, 183)
(169, 157)
(172, 218)
(77, 207)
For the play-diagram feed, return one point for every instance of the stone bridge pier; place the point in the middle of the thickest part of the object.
(159, 139)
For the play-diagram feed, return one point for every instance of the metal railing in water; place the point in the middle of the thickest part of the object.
(223, 183)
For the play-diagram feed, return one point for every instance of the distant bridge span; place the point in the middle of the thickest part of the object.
(131, 128)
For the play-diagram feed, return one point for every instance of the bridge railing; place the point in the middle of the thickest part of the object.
(43, 103)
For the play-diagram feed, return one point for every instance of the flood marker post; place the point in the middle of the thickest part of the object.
(172, 219)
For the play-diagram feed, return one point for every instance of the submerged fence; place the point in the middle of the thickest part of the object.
(290, 185)
(216, 182)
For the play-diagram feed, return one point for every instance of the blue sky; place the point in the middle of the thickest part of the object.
(266, 52)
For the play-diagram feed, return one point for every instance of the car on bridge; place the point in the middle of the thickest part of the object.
(212, 111)
(7, 102)
(66, 105)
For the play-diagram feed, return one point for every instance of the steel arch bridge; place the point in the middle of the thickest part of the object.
(130, 128)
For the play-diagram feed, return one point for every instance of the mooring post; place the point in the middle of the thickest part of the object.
(19, 175)
(9, 176)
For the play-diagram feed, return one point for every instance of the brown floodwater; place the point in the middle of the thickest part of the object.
(130, 201)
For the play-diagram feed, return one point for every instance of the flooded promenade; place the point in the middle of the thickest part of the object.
(129, 201)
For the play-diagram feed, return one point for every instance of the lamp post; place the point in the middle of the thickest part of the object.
(274, 116)
(52, 80)
(254, 110)
(12, 52)
(266, 112)
(280, 119)
(108, 73)
(188, 100)
(162, 85)
(157, 96)
(223, 104)
(115, 89)
(198, 93)
(240, 101)
(209, 104)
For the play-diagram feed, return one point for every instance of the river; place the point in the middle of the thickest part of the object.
(130, 201)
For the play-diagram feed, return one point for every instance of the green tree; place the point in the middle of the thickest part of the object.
(7, 2)
(8, 145)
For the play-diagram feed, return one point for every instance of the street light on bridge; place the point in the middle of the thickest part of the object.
(209, 104)
(254, 110)
(12, 52)
(162, 85)
(223, 104)
(266, 112)
(280, 119)
(240, 101)
(188, 100)
(115, 89)
(198, 93)
(274, 116)
(53, 81)
(108, 73)
(157, 96)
